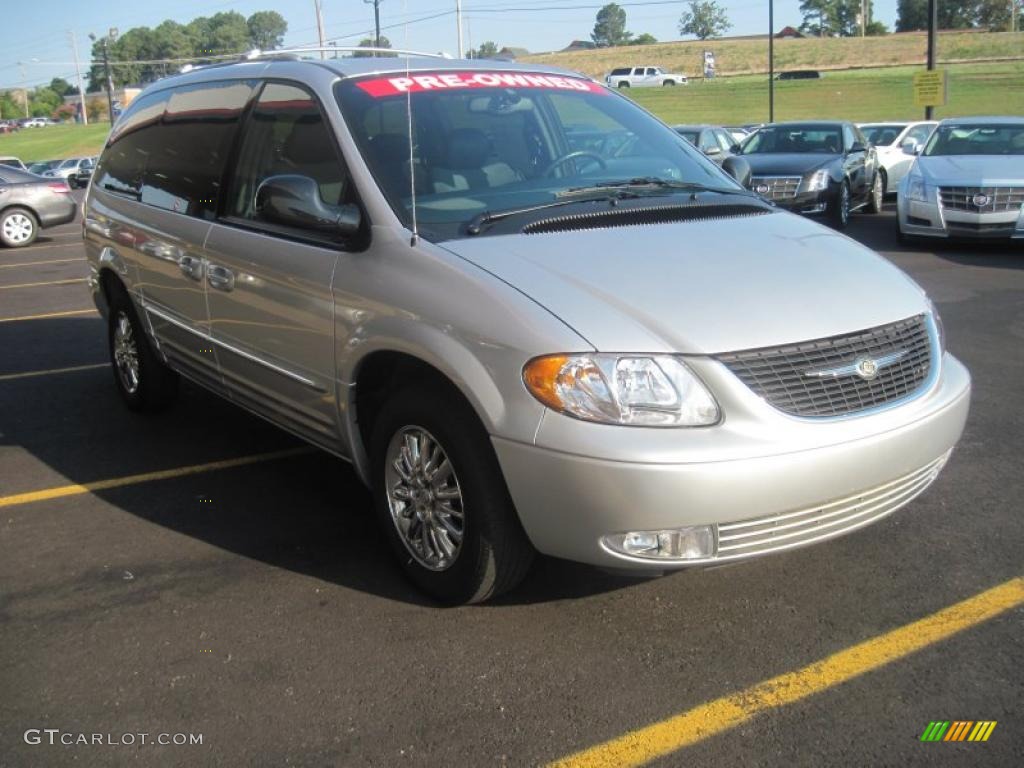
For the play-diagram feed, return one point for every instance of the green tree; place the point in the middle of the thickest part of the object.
(369, 42)
(876, 29)
(645, 39)
(44, 102)
(997, 15)
(62, 86)
(173, 41)
(953, 14)
(704, 19)
(266, 30)
(487, 50)
(610, 26)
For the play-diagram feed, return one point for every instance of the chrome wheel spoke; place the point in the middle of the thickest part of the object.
(126, 354)
(424, 498)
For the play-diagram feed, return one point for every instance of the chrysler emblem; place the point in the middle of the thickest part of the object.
(981, 200)
(866, 368)
(762, 189)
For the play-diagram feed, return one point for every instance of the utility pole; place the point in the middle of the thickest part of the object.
(376, 21)
(78, 75)
(24, 80)
(318, 5)
(771, 61)
(105, 44)
(864, 17)
(933, 24)
(458, 20)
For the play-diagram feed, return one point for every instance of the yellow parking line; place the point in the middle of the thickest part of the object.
(52, 371)
(36, 285)
(47, 245)
(145, 477)
(663, 738)
(34, 263)
(48, 315)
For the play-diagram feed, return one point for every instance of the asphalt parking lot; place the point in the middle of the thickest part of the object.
(255, 603)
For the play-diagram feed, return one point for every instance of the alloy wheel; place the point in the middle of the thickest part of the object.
(877, 193)
(126, 353)
(18, 228)
(424, 498)
(844, 204)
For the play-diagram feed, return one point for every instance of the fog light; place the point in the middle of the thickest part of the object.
(691, 543)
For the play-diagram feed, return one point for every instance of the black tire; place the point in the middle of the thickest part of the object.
(623, 84)
(495, 553)
(18, 227)
(156, 385)
(668, 82)
(876, 195)
(839, 208)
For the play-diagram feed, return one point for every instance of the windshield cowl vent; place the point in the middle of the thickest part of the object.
(632, 217)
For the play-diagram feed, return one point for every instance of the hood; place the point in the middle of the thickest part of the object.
(973, 170)
(787, 164)
(701, 287)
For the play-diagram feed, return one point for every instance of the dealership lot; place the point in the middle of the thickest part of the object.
(256, 604)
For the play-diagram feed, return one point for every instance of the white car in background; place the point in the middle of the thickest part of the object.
(890, 140)
(968, 181)
(642, 77)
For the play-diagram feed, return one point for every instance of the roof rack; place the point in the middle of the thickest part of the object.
(258, 54)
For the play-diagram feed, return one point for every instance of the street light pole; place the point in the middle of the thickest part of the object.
(771, 61)
(933, 23)
(78, 75)
(458, 20)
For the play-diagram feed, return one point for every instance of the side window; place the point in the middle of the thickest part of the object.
(638, 72)
(285, 134)
(652, 71)
(184, 170)
(132, 142)
(707, 141)
(919, 134)
(725, 140)
(848, 138)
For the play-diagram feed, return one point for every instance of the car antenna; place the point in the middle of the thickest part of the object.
(408, 111)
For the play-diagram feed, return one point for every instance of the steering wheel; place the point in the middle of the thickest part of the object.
(558, 162)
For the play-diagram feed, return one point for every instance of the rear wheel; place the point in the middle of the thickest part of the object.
(669, 82)
(145, 383)
(876, 197)
(442, 500)
(623, 84)
(18, 227)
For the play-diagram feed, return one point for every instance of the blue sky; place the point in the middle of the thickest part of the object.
(35, 32)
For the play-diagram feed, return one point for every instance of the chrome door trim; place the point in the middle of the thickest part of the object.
(232, 348)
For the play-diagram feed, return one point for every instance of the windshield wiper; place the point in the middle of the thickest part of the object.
(656, 183)
(482, 219)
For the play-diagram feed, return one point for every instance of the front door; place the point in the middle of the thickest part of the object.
(268, 285)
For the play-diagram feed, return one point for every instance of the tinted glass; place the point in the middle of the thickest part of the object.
(134, 139)
(725, 139)
(823, 139)
(993, 139)
(690, 136)
(881, 135)
(707, 141)
(286, 134)
(183, 171)
(919, 134)
(488, 141)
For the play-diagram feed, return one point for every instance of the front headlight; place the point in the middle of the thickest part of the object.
(817, 181)
(918, 189)
(657, 391)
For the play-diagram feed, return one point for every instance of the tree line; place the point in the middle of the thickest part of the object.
(206, 36)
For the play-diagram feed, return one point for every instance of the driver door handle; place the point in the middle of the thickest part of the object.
(221, 278)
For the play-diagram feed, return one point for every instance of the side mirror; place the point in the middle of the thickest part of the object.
(739, 169)
(710, 151)
(735, 149)
(858, 147)
(911, 147)
(294, 201)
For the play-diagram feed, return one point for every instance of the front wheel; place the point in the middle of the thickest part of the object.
(18, 227)
(442, 500)
(623, 84)
(876, 198)
(669, 82)
(839, 208)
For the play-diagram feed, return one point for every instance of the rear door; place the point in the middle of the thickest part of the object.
(269, 286)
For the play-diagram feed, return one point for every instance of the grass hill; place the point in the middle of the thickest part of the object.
(739, 56)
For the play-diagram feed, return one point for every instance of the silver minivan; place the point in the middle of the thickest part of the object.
(532, 316)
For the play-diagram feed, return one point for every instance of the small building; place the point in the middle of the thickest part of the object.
(511, 53)
(580, 45)
(790, 33)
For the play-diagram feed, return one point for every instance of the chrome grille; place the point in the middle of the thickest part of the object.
(779, 187)
(808, 379)
(999, 199)
(761, 535)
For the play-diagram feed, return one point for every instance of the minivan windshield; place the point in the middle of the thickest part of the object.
(487, 142)
(977, 139)
(821, 139)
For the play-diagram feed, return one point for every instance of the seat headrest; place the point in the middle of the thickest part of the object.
(468, 148)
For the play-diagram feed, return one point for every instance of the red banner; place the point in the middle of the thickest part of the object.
(450, 81)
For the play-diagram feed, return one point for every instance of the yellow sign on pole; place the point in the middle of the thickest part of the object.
(930, 88)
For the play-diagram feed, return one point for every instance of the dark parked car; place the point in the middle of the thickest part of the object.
(713, 140)
(815, 168)
(29, 203)
(42, 166)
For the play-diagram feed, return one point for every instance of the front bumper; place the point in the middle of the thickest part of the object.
(761, 501)
(806, 203)
(931, 219)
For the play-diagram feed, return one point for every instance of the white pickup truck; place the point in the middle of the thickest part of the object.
(642, 77)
